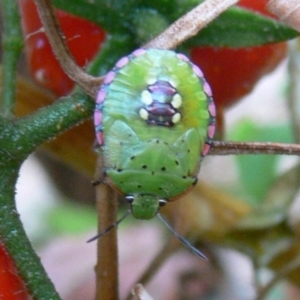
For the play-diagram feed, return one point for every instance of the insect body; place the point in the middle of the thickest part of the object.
(154, 121)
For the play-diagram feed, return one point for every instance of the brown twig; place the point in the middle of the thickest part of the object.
(140, 293)
(190, 24)
(238, 148)
(88, 83)
(107, 258)
(287, 11)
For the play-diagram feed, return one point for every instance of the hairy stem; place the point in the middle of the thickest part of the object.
(12, 47)
(16, 242)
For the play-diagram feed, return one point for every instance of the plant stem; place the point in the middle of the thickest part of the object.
(12, 47)
(88, 83)
(239, 148)
(107, 260)
(16, 242)
(190, 24)
(17, 140)
(287, 11)
(33, 130)
(140, 293)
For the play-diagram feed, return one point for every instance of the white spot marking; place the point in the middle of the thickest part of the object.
(143, 114)
(176, 101)
(147, 97)
(176, 118)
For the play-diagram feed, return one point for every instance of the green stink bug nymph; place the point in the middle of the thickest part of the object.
(154, 120)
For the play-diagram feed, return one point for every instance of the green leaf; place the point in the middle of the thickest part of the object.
(263, 244)
(258, 172)
(234, 28)
(275, 208)
(239, 27)
(106, 16)
(71, 218)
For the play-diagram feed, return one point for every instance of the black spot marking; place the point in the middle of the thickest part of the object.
(97, 182)
(144, 166)
(176, 162)
(132, 157)
(152, 173)
(163, 168)
(119, 170)
(160, 188)
(139, 186)
(184, 177)
(157, 141)
(189, 150)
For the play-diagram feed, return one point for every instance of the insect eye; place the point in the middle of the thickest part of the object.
(161, 202)
(129, 199)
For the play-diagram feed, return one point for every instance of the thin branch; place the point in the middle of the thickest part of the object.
(287, 11)
(46, 123)
(107, 260)
(239, 148)
(190, 24)
(88, 83)
(140, 293)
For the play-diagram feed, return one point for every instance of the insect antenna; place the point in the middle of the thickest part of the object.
(109, 227)
(182, 239)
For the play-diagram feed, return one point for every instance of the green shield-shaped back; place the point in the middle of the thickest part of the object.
(155, 119)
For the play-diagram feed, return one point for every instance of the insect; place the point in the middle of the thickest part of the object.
(154, 120)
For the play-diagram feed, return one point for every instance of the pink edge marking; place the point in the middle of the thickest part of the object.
(183, 57)
(97, 117)
(212, 109)
(211, 131)
(207, 89)
(101, 96)
(138, 52)
(100, 139)
(122, 62)
(109, 77)
(205, 149)
(198, 71)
